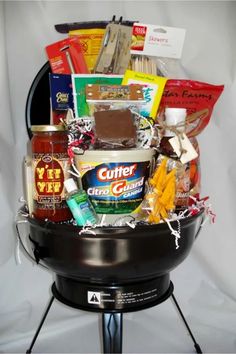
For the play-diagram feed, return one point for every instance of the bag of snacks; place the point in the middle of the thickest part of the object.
(199, 99)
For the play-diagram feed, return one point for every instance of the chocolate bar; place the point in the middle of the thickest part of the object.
(114, 129)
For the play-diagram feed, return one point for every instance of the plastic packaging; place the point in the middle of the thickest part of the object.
(159, 200)
(156, 49)
(115, 129)
(66, 57)
(168, 189)
(114, 55)
(112, 97)
(79, 83)
(175, 126)
(197, 97)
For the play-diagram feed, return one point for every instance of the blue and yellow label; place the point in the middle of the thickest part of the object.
(115, 188)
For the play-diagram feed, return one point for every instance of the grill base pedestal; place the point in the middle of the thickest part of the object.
(113, 297)
(112, 318)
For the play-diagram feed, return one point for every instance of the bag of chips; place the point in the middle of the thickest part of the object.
(197, 97)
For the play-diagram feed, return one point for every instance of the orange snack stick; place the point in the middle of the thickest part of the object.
(159, 173)
(160, 182)
(163, 213)
(170, 176)
(168, 194)
(153, 219)
(156, 209)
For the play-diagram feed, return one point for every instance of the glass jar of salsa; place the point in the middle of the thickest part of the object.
(50, 164)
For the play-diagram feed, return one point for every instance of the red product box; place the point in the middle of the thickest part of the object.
(66, 57)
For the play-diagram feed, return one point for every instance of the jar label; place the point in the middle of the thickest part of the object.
(115, 187)
(49, 175)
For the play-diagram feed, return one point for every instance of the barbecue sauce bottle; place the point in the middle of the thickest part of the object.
(175, 119)
(50, 163)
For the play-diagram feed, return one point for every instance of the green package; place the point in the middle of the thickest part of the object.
(79, 82)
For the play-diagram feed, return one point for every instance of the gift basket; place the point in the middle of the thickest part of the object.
(112, 183)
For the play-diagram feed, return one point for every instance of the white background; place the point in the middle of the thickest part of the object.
(205, 284)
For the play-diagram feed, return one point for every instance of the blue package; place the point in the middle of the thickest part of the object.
(61, 91)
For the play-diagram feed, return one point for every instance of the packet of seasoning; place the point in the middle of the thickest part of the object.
(114, 129)
(105, 97)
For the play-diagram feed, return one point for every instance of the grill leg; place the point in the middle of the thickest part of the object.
(196, 345)
(112, 332)
(40, 326)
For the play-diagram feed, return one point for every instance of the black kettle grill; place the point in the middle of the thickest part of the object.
(115, 270)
